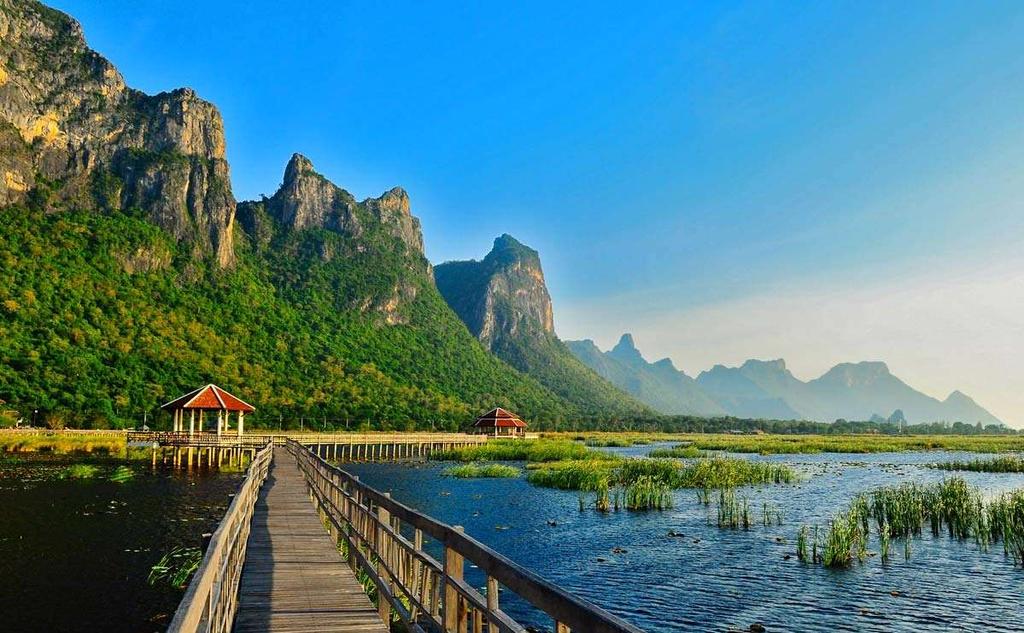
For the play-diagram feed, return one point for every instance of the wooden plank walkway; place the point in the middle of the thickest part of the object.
(294, 580)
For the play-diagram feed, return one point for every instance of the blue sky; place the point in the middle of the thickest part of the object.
(672, 162)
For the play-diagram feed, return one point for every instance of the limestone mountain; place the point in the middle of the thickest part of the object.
(504, 302)
(851, 391)
(659, 385)
(860, 389)
(73, 135)
(125, 279)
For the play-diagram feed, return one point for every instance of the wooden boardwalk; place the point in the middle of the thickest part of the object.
(294, 580)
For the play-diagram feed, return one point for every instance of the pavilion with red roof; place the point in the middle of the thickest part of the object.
(500, 423)
(208, 398)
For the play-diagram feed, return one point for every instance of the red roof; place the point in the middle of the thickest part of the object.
(210, 397)
(501, 418)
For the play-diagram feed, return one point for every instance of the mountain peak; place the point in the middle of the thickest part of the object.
(778, 364)
(507, 250)
(298, 166)
(625, 350)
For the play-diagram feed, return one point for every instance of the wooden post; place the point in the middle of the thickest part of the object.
(241, 421)
(384, 560)
(454, 611)
(192, 424)
(220, 423)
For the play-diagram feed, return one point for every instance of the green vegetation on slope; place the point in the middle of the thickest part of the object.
(106, 316)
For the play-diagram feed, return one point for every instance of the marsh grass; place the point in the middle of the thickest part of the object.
(79, 471)
(542, 450)
(679, 451)
(733, 510)
(482, 471)
(798, 444)
(122, 474)
(1000, 464)
(176, 567)
(648, 493)
(63, 443)
(951, 507)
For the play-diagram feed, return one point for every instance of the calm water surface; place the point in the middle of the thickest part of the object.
(75, 555)
(720, 580)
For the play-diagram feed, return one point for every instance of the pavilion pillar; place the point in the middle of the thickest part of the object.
(192, 423)
(220, 422)
(241, 422)
(201, 414)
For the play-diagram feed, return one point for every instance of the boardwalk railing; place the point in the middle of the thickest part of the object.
(384, 539)
(378, 445)
(211, 598)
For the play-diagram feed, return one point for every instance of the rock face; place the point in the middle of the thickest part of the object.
(72, 132)
(502, 296)
(504, 302)
(378, 239)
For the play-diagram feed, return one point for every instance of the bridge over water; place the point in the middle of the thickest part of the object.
(305, 546)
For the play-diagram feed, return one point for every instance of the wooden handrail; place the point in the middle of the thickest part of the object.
(424, 593)
(210, 601)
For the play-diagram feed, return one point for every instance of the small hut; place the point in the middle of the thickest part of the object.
(499, 423)
(208, 398)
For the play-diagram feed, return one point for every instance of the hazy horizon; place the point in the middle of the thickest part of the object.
(822, 184)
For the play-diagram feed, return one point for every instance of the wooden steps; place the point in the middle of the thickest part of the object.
(294, 580)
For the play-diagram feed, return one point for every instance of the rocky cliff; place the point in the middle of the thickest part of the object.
(505, 303)
(73, 134)
(502, 296)
(380, 237)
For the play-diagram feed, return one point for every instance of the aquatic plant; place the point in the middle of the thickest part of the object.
(478, 471)
(176, 567)
(542, 450)
(62, 443)
(791, 444)
(733, 510)
(801, 544)
(79, 471)
(648, 493)
(122, 474)
(679, 451)
(950, 506)
(1000, 464)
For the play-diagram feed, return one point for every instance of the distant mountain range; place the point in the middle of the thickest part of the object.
(767, 389)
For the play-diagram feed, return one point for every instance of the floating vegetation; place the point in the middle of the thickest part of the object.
(1001, 464)
(951, 506)
(679, 451)
(482, 471)
(522, 451)
(647, 483)
(79, 471)
(176, 567)
(122, 474)
(790, 444)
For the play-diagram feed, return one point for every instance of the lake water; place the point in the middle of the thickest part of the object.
(75, 554)
(716, 579)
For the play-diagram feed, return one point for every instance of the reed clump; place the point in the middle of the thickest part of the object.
(482, 471)
(122, 474)
(952, 507)
(176, 567)
(79, 471)
(62, 443)
(999, 464)
(542, 450)
(797, 444)
(679, 451)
